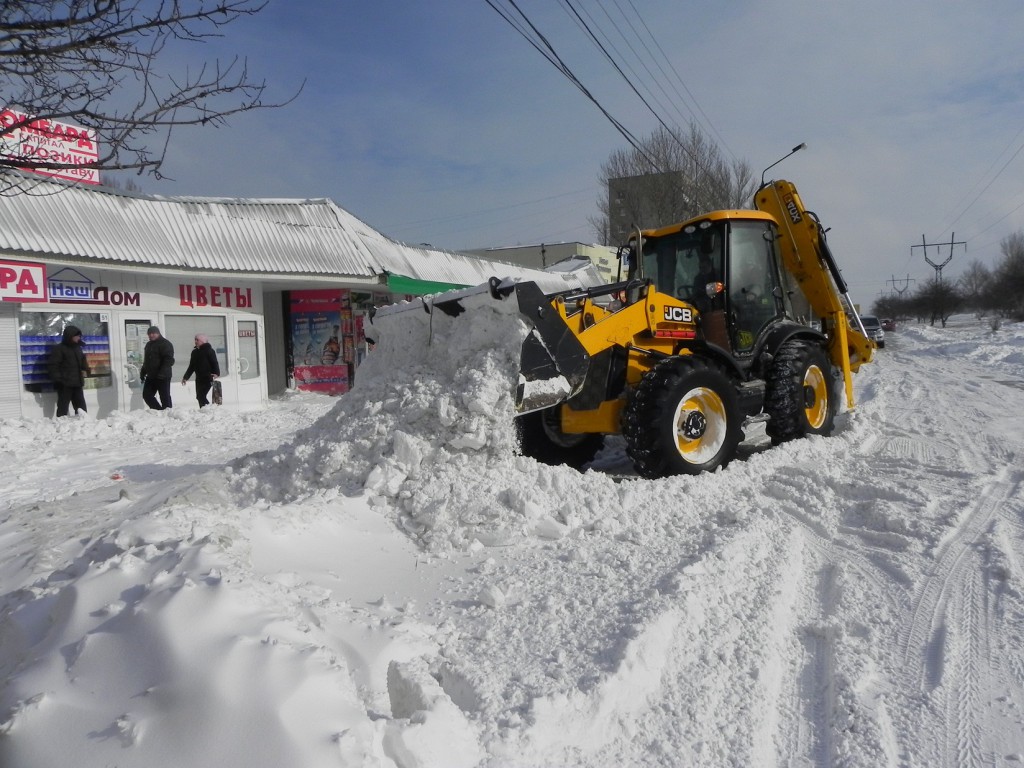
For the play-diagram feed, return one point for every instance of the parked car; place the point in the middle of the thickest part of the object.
(888, 324)
(874, 328)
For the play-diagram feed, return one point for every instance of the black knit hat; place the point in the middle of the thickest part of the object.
(153, 329)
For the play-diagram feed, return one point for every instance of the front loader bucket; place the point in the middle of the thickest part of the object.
(553, 365)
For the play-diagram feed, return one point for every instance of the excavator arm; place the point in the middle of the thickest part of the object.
(806, 256)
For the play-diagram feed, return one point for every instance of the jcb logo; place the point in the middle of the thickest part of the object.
(678, 315)
(794, 212)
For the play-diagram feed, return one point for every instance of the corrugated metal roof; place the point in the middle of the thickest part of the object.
(48, 218)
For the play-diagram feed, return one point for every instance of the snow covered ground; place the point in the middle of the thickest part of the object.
(377, 580)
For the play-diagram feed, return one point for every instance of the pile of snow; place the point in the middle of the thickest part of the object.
(430, 430)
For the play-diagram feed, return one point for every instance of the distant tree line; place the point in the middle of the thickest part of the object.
(997, 292)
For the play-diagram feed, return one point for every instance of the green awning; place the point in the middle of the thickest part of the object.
(403, 284)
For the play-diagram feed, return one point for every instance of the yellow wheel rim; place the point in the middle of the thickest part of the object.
(700, 425)
(815, 396)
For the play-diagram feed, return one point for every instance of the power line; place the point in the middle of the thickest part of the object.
(972, 238)
(985, 188)
(586, 28)
(664, 57)
(671, 107)
(549, 53)
(1005, 215)
(544, 47)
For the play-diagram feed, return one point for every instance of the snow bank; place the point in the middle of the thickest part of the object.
(429, 431)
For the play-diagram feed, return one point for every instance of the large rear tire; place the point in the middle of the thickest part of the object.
(682, 418)
(541, 438)
(799, 397)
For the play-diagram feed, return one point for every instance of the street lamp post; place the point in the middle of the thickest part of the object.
(794, 150)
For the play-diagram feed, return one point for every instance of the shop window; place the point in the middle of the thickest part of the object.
(181, 330)
(39, 332)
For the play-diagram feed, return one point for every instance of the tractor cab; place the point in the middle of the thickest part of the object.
(725, 264)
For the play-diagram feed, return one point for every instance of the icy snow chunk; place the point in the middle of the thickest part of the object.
(428, 512)
(549, 528)
(532, 511)
(544, 392)
(386, 479)
(471, 441)
(407, 452)
(492, 597)
(429, 730)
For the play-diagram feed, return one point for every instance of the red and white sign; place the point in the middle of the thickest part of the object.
(50, 141)
(22, 281)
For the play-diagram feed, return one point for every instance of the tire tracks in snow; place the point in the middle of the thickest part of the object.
(810, 743)
(947, 653)
(815, 736)
(945, 665)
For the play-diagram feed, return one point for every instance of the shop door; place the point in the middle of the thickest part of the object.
(135, 339)
(250, 384)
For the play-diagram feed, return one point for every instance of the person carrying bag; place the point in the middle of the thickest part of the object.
(203, 363)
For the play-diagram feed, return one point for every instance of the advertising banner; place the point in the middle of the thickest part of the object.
(50, 141)
(317, 340)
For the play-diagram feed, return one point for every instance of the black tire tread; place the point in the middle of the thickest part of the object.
(652, 404)
(784, 400)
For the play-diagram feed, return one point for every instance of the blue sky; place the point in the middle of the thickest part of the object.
(438, 123)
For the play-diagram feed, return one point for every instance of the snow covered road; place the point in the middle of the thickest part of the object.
(396, 588)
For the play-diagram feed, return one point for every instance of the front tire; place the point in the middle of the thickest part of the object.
(799, 397)
(682, 418)
(541, 438)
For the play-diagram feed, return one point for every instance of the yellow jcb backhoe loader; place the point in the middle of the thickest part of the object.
(730, 317)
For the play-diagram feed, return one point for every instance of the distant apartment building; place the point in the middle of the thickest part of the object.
(643, 201)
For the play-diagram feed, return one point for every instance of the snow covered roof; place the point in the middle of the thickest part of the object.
(51, 219)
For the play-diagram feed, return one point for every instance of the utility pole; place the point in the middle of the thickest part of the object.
(938, 266)
(906, 284)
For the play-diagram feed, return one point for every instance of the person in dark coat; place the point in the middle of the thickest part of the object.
(157, 362)
(204, 365)
(68, 370)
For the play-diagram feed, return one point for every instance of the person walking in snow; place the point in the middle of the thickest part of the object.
(157, 361)
(68, 370)
(204, 365)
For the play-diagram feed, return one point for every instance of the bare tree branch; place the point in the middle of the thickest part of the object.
(75, 61)
(673, 178)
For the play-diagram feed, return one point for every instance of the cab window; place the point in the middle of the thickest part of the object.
(753, 281)
(674, 261)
